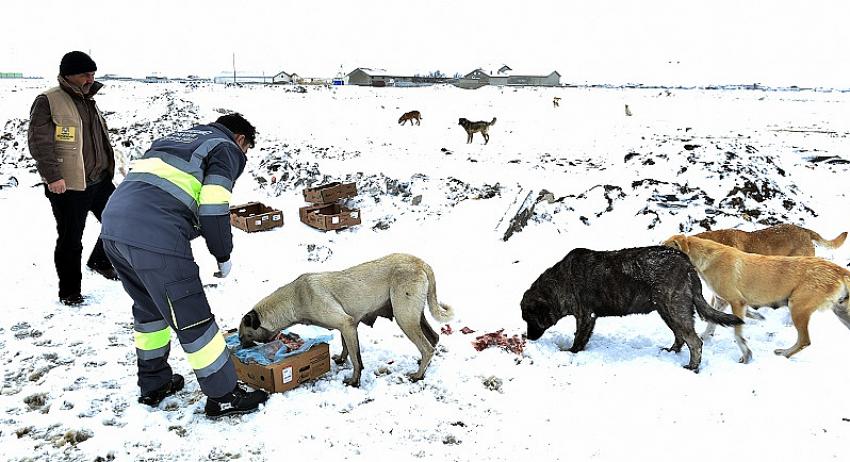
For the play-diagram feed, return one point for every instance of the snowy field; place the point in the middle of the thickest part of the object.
(681, 162)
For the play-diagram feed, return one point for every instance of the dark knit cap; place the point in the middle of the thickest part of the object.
(76, 62)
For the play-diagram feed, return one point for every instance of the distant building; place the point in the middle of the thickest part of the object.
(285, 77)
(11, 75)
(382, 78)
(505, 75)
(155, 79)
(191, 79)
(242, 78)
(114, 77)
(370, 77)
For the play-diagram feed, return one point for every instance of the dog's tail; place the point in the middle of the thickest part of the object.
(493, 122)
(705, 311)
(440, 311)
(833, 244)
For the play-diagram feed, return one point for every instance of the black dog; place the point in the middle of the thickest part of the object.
(588, 284)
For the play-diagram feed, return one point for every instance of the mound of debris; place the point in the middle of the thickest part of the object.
(741, 183)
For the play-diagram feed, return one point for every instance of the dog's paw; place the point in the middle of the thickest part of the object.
(415, 377)
(786, 353)
(339, 360)
(352, 382)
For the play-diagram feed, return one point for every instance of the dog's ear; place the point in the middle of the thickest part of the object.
(252, 319)
(679, 241)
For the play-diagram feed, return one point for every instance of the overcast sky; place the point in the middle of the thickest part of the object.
(780, 42)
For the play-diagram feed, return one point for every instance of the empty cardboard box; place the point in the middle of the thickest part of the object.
(330, 192)
(255, 216)
(329, 217)
(288, 373)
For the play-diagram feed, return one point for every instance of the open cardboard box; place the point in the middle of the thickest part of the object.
(330, 192)
(286, 374)
(255, 216)
(329, 217)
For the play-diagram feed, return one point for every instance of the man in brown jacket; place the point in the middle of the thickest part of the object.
(69, 140)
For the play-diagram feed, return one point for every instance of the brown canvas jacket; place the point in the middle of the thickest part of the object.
(98, 156)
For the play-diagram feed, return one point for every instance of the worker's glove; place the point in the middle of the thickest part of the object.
(223, 269)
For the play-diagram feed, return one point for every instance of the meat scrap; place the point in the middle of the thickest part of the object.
(514, 344)
(446, 330)
(292, 341)
(467, 330)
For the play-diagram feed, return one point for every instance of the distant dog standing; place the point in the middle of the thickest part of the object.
(411, 116)
(588, 284)
(805, 284)
(395, 286)
(556, 101)
(472, 127)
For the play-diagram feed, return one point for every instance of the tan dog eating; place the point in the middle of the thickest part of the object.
(395, 286)
(805, 284)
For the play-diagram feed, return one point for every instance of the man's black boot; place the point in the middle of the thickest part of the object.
(238, 401)
(171, 387)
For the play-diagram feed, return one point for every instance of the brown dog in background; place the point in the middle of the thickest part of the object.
(784, 240)
(472, 127)
(805, 284)
(411, 116)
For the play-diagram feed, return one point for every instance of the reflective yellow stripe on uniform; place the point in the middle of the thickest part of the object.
(208, 353)
(152, 340)
(213, 194)
(160, 168)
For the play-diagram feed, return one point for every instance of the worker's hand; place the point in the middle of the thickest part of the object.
(57, 187)
(223, 269)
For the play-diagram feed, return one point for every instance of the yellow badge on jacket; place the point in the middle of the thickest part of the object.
(67, 134)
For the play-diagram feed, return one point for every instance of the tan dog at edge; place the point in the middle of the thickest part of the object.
(805, 284)
(784, 240)
(395, 286)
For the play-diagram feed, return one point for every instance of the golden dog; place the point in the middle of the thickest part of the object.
(805, 284)
(784, 240)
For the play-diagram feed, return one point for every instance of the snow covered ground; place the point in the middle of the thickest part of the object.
(683, 161)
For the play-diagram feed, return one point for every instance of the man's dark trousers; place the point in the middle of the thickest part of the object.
(71, 209)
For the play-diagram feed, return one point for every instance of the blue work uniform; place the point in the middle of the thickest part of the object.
(179, 190)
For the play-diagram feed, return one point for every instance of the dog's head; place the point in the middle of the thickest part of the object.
(679, 241)
(462, 121)
(250, 331)
(540, 310)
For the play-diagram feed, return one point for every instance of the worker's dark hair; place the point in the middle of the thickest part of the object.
(239, 126)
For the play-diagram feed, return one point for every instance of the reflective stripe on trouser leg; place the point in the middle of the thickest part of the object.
(153, 339)
(209, 357)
